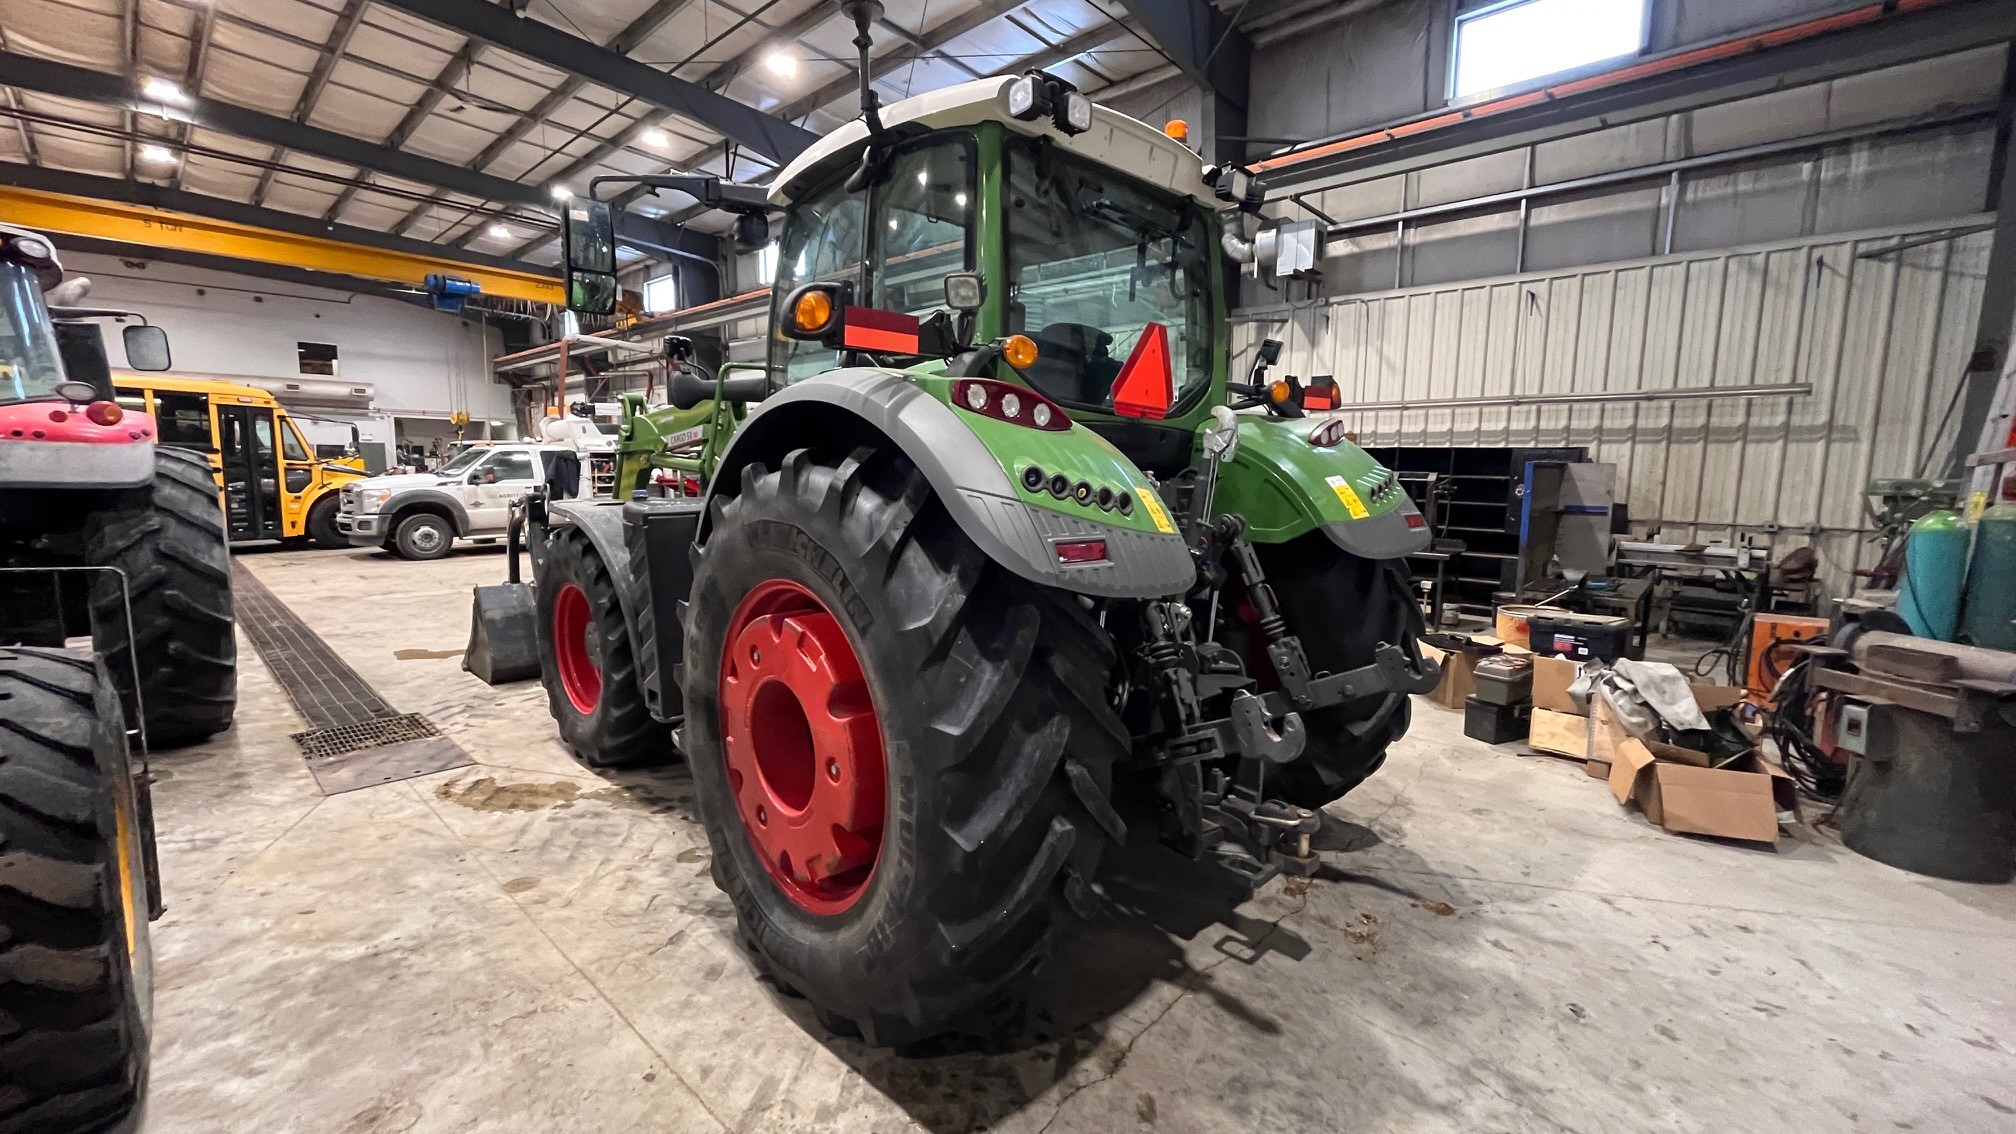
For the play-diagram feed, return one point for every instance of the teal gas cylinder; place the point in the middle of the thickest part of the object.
(1991, 580)
(1935, 571)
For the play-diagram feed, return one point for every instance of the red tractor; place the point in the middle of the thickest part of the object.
(108, 539)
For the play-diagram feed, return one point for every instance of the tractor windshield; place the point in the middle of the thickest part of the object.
(30, 366)
(1093, 258)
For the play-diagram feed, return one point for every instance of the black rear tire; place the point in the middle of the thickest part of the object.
(423, 536)
(176, 558)
(617, 730)
(321, 527)
(1341, 607)
(998, 742)
(75, 990)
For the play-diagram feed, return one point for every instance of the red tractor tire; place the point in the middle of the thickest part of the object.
(958, 726)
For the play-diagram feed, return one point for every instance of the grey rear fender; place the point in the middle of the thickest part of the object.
(880, 408)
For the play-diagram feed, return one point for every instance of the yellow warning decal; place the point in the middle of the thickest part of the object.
(1155, 512)
(1349, 496)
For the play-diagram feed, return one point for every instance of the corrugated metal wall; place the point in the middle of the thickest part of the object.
(1882, 338)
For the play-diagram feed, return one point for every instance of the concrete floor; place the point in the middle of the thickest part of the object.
(1494, 946)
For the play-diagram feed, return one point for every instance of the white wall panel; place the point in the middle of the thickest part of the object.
(1881, 336)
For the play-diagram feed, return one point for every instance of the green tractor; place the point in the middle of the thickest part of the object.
(998, 568)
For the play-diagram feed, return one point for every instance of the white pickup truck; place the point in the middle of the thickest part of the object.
(421, 515)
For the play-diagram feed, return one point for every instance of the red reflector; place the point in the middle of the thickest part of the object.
(884, 332)
(1146, 386)
(1416, 520)
(1081, 551)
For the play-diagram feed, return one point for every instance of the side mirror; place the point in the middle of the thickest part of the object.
(146, 348)
(752, 231)
(588, 245)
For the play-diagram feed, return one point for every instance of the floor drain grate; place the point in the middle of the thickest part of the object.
(317, 743)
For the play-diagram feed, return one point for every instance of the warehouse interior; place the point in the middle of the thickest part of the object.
(1013, 565)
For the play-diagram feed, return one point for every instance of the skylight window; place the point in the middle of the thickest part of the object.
(1513, 44)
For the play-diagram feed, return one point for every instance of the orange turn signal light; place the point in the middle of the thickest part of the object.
(1278, 392)
(1178, 129)
(813, 311)
(105, 413)
(1019, 351)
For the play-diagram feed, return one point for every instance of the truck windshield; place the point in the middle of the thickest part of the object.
(1093, 258)
(463, 460)
(30, 366)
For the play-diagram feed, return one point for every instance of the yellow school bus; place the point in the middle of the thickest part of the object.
(274, 487)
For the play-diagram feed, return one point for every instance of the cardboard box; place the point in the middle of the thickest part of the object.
(1551, 679)
(1459, 669)
(1562, 734)
(1676, 789)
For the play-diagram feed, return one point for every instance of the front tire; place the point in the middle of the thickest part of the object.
(423, 536)
(587, 666)
(75, 983)
(1341, 607)
(987, 727)
(321, 526)
(175, 556)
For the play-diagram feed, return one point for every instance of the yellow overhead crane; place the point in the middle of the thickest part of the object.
(158, 228)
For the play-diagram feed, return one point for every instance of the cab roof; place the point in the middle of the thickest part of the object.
(1116, 140)
(215, 387)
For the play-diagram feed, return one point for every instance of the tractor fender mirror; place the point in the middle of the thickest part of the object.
(146, 348)
(752, 231)
(588, 247)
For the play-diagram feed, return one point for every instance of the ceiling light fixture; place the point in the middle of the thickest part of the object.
(656, 139)
(500, 232)
(161, 90)
(159, 155)
(781, 64)
(562, 193)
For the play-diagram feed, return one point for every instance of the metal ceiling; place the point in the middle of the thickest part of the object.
(451, 121)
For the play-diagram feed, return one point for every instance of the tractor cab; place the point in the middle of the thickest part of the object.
(1085, 237)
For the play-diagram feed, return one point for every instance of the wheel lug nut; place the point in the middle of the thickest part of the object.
(833, 770)
(755, 655)
(762, 816)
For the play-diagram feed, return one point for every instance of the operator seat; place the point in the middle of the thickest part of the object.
(1074, 363)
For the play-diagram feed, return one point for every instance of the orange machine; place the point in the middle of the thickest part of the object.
(1765, 629)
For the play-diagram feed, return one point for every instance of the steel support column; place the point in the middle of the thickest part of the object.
(1212, 53)
(1998, 291)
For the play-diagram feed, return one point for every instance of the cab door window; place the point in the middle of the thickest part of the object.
(923, 227)
(300, 466)
(507, 468)
(823, 241)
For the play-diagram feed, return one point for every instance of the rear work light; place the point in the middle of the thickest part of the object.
(1081, 551)
(1016, 405)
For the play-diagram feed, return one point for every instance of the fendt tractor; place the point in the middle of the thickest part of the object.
(998, 569)
(109, 538)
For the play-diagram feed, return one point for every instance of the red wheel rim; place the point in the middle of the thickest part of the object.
(803, 747)
(580, 668)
